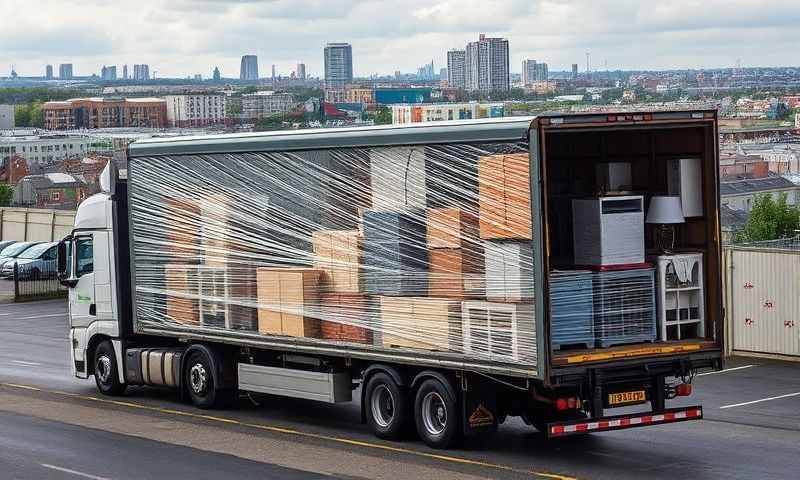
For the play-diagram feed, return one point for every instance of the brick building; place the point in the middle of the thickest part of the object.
(90, 113)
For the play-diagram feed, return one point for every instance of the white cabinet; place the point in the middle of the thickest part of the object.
(684, 178)
(681, 296)
(608, 230)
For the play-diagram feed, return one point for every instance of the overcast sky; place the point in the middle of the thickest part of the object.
(182, 37)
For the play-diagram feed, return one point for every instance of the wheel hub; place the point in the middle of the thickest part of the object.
(198, 378)
(102, 368)
(382, 405)
(434, 413)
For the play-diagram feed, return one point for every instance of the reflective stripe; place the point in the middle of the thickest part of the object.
(626, 422)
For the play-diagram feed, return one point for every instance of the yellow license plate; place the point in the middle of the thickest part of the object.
(626, 397)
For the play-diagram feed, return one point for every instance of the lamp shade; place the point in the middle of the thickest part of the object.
(665, 209)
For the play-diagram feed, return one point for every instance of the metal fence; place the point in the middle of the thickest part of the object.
(35, 285)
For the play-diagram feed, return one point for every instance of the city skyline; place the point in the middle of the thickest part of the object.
(620, 35)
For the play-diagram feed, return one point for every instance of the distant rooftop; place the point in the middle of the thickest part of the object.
(752, 185)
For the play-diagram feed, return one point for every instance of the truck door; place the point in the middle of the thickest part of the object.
(82, 301)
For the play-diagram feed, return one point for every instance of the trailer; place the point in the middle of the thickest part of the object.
(449, 275)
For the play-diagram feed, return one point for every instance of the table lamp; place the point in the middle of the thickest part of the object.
(665, 211)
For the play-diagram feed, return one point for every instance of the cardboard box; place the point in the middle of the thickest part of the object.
(451, 228)
(338, 254)
(181, 223)
(182, 293)
(453, 272)
(504, 197)
(346, 318)
(285, 296)
(421, 322)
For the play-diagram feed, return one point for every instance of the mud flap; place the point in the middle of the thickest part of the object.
(479, 406)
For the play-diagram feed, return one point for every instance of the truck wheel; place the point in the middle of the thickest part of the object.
(387, 407)
(106, 372)
(199, 380)
(437, 415)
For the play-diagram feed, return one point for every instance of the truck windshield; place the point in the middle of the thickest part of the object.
(35, 251)
(14, 250)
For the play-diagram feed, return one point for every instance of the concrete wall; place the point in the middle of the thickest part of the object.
(35, 224)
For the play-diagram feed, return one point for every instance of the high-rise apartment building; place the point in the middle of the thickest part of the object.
(338, 64)
(301, 71)
(125, 72)
(48, 72)
(487, 65)
(541, 72)
(574, 71)
(528, 71)
(141, 72)
(108, 73)
(65, 71)
(455, 68)
(216, 76)
(249, 68)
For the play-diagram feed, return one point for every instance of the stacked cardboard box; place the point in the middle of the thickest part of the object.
(456, 263)
(395, 253)
(338, 255)
(509, 271)
(504, 197)
(451, 177)
(181, 286)
(421, 322)
(346, 317)
(285, 297)
(181, 222)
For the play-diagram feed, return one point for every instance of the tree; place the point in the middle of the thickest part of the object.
(383, 116)
(769, 219)
(6, 194)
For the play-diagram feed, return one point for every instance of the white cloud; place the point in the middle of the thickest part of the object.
(181, 37)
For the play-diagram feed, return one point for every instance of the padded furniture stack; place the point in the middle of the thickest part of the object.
(504, 197)
(395, 253)
(287, 298)
(397, 178)
(421, 322)
(509, 271)
(571, 309)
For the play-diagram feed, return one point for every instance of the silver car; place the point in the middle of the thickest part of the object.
(35, 262)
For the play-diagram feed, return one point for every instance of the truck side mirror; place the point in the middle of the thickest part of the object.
(63, 264)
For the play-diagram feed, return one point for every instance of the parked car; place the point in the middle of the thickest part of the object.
(11, 252)
(37, 261)
(5, 244)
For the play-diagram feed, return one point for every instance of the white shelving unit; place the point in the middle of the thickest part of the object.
(681, 296)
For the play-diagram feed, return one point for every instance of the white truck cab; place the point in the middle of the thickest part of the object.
(86, 266)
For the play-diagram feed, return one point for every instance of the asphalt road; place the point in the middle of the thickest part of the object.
(751, 429)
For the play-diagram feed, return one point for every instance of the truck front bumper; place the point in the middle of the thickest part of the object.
(620, 422)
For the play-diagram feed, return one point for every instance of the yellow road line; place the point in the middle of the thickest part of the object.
(291, 431)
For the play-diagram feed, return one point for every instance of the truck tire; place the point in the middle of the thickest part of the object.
(387, 407)
(106, 371)
(199, 381)
(437, 415)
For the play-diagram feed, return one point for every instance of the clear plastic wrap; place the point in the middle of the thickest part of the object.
(425, 248)
(400, 249)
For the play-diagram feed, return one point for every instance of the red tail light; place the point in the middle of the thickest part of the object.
(568, 403)
(683, 390)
